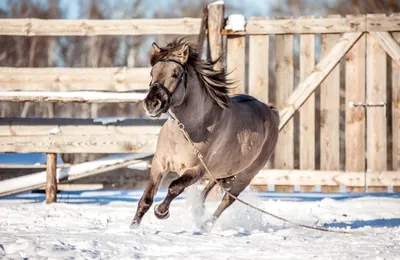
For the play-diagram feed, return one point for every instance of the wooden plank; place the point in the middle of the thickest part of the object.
(31, 166)
(119, 79)
(85, 27)
(72, 127)
(390, 45)
(355, 116)
(78, 186)
(376, 116)
(260, 25)
(259, 66)
(51, 178)
(37, 180)
(215, 24)
(396, 110)
(382, 23)
(236, 62)
(321, 70)
(76, 96)
(79, 143)
(307, 110)
(330, 113)
(326, 178)
(284, 74)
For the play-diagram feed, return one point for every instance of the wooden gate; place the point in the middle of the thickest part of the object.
(344, 133)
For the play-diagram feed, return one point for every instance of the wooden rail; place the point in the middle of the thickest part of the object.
(49, 27)
(350, 23)
(78, 135)
(327, 178)
(78, 96)
(120, 79)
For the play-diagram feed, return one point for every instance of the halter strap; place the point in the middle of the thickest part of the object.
(184, 73)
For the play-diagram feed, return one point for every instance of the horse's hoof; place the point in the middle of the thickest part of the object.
(207, 226)
(160, 215)
(134, 224)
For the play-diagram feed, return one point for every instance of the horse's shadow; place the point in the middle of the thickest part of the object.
(374, 223)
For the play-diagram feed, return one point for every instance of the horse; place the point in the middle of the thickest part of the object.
(236, 134)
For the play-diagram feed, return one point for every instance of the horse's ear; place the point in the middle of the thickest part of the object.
(183, 54)
(154, 48)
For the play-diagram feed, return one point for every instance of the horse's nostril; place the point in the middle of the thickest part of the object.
(158, 104)
(153, 104)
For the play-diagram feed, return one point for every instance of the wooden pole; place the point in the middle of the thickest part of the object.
(215, 24)
(51, 177)
(203, 32)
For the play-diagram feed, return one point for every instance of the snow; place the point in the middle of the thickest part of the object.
(95, 225)
(235, 23)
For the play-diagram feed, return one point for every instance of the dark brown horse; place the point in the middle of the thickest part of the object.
(236, 135)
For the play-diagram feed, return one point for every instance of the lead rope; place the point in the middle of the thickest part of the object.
(197, 152)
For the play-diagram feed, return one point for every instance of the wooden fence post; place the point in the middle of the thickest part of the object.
(284, 71)
(355, 116)
(51, 177)
(330, 112)
(215, 24)
(376, 116)
(396, 113)
(307, 111)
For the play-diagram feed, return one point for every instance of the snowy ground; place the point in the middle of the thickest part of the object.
(94, 225)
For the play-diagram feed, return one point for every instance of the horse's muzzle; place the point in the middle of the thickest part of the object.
(157, 101)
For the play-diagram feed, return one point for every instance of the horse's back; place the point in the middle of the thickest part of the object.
(249, 109)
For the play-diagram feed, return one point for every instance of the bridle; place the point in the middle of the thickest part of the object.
(183, 77)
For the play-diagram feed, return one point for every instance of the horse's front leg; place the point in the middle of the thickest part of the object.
(156, 176)
(189, 177)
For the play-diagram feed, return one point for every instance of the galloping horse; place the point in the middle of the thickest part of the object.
(235, 134)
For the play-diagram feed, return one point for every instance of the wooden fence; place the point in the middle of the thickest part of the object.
(346, 106)
(333, 76)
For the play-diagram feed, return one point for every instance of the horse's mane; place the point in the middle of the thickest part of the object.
(215, 81)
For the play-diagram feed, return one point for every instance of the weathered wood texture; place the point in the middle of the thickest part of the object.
(78, 136)
(38, 180)
(321, 70)
(120, 79)
(382, 23)
(306, 25)
(284, 74)
(307, 110)
(50, 27)
(396, 110)
(355, 116)
(330, 114)
(215, 25)
(51, 177)
(326, 178)
(376, 116)
(259, 66)
(331, 24)
(236, 62)
(78, 96)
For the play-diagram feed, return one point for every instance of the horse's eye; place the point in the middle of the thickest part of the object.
(175, 75)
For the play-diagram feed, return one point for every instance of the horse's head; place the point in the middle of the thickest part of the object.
(169, 79)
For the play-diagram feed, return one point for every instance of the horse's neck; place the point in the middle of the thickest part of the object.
(199, 110)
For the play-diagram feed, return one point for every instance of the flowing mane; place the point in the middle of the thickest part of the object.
(215, 81)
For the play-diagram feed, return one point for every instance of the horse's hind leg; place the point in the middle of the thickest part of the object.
(242, 180)
(199, 207)
(189, 177)
(156, 176)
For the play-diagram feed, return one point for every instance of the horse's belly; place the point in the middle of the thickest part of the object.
(234, 157)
